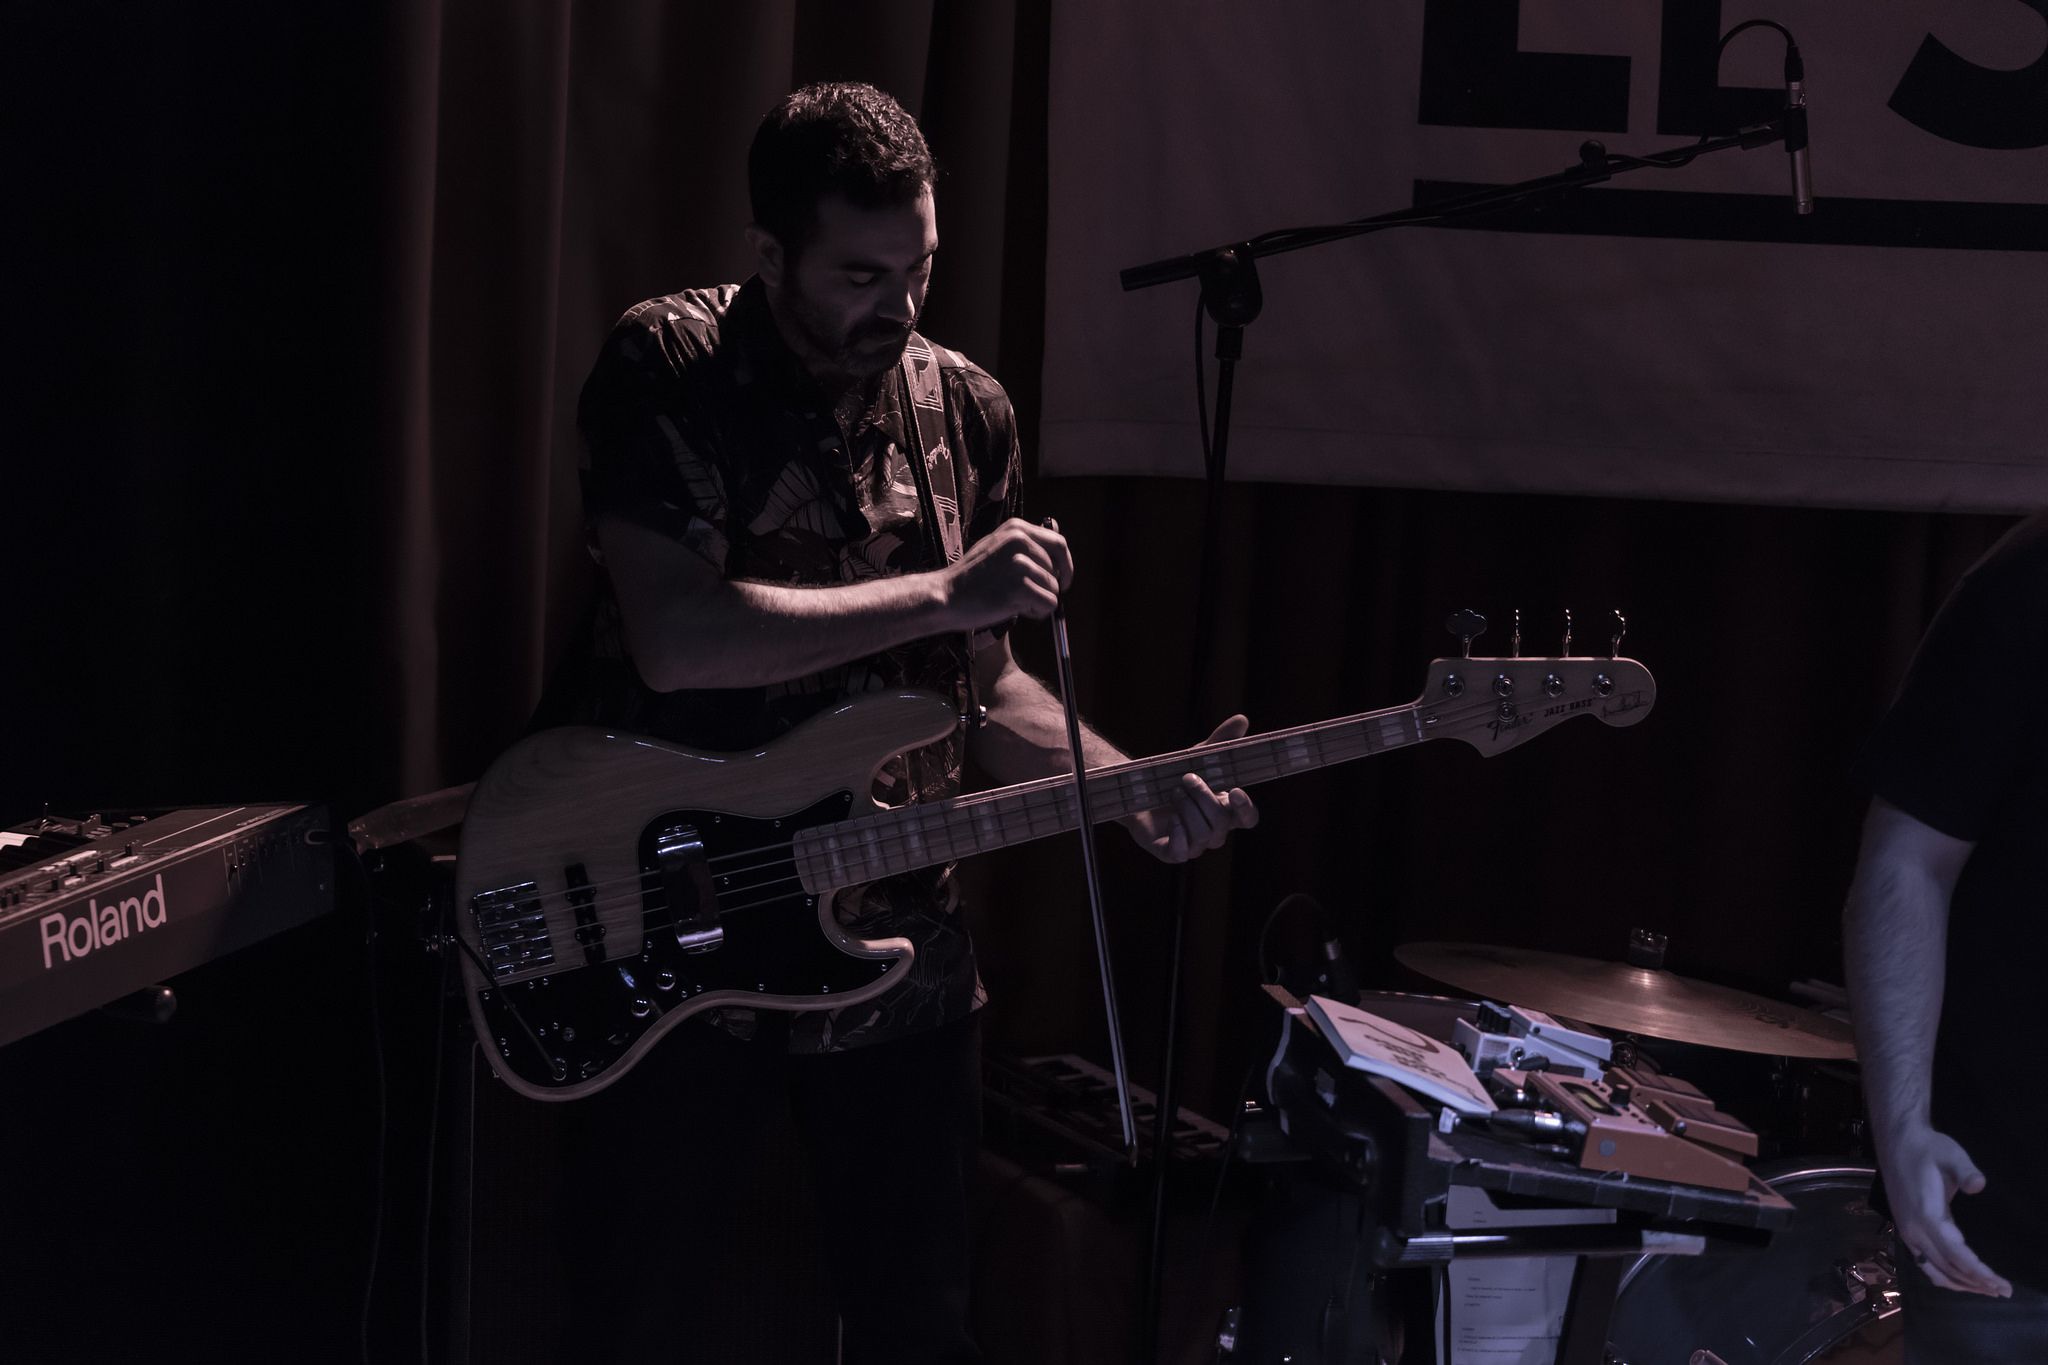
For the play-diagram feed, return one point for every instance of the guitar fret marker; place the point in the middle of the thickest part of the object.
(1390, 732)
(1297, 755)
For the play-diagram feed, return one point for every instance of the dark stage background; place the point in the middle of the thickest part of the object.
(301, 296)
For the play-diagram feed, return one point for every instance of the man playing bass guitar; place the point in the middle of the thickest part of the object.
(772, 544)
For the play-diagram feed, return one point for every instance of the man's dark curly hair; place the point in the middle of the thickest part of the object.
(836, 138)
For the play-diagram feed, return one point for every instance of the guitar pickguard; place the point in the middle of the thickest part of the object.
(722, 921)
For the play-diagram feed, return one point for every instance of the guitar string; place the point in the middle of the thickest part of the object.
(1061, 786)
(886, 846)
(968, 803)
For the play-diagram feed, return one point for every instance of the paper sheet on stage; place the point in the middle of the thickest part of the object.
(1368, 1042)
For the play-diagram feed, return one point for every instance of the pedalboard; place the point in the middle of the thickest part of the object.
(1616, 1133)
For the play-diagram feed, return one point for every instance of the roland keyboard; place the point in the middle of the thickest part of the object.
(94, 908)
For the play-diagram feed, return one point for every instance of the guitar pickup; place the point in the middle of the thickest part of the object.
(583, 899)
(679, 858)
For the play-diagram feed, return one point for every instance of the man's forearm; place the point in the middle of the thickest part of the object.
(740, 634)
(1894, 952)
(1026, 736)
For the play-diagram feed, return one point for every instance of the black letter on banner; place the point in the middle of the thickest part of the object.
(1974, 105)
(1691, 101)
(1474, 77)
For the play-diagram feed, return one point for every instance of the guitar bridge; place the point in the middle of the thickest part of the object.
(512, 928)
(686, 879)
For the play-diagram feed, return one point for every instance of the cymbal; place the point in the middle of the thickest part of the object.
(1645, 1000)
(412, 818)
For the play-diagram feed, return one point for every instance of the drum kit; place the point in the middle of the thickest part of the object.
(1824, 1290)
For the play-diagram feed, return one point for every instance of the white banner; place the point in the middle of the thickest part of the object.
(1679, 334)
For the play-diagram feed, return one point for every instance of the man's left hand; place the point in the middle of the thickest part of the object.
(1201, 817)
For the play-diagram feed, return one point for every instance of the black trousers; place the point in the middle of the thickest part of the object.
(678, 1167)
(1948, 1327)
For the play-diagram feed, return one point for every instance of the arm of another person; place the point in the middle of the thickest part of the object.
(687, 626)
(1895, 932)
(1026, 738)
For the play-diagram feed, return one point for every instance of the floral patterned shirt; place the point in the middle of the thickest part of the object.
(699, 423)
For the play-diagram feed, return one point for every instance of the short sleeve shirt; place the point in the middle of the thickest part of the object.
(699, 423)
(1961, 751)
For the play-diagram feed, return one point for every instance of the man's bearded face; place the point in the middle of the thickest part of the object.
(846, 305)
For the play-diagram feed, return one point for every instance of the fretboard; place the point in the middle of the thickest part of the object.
(870, 847)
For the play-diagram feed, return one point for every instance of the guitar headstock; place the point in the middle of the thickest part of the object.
(1496, 704)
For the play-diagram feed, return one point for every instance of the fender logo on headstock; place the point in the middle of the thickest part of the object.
(1502, 726)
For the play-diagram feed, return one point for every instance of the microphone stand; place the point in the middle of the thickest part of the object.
(1231, 296)
(1596, 164)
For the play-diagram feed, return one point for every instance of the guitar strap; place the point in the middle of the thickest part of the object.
(931, 465)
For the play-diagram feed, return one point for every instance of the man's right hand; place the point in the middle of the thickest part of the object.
(1018, 569)
(1923, 1171)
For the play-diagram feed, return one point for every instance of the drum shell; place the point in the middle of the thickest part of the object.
(1820, 1291)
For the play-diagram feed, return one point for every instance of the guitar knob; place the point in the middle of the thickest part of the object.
(664, 981)
(641, 1007)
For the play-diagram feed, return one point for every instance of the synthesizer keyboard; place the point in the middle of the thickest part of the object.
(96, 907)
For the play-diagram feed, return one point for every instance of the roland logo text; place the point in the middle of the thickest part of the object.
(66, 937)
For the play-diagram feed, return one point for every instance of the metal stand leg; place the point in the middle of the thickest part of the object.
(1590, 1311)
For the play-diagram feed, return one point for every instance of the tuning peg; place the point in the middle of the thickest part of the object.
(1468, 625)
(1566, 651)
(1620, 629)
(1515, 640)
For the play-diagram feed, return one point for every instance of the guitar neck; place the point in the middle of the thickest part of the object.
(869, 847)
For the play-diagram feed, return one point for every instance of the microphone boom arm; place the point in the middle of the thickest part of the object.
(1596, 164)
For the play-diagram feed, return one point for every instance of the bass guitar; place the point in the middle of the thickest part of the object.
(610, 885)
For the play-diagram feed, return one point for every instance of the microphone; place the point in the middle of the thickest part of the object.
(1795, 129)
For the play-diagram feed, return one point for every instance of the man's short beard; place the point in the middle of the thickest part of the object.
(845, 355)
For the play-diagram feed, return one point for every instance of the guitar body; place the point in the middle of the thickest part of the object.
(610, 886)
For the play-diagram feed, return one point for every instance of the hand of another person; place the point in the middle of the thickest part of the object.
(1200, 818)
(1018, 569)
(1923, 1171)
